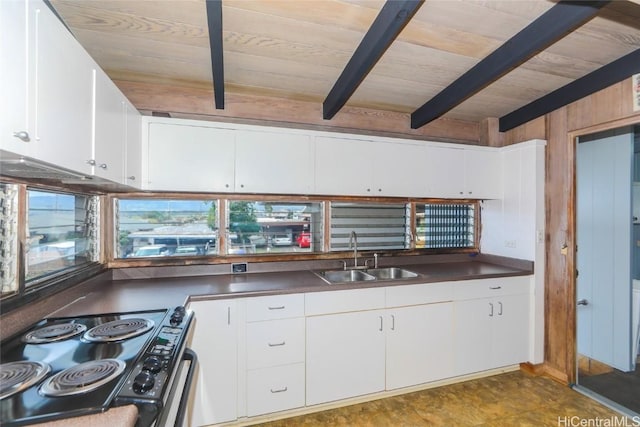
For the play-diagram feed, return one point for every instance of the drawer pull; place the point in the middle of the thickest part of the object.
(495, 287)
(279, 390)
(277, 344)
(280, 307)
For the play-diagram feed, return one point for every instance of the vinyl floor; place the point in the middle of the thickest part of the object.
(510, 399)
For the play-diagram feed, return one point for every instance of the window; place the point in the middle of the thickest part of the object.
(256, 227)
(165, 227)
(445, 225)
(62, 233)
(377, 226)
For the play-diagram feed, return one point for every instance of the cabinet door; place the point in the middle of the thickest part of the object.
(473, 335)
(444, 168)
(14, 76)
(109, 136)
(269, 162)
(342, 167)
(63, 93)
(419, 344)
(190, 158)
(511, 330)
(215, 342)
(133, 143)
(483, 174)
(399, 169)
(345, 355)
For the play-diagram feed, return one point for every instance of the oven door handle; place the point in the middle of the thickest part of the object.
(189, 355)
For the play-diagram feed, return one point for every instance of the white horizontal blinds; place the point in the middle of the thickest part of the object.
(377, 226)
(446, 225)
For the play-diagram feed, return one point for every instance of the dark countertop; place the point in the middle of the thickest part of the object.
(135, 290)
(142, 294)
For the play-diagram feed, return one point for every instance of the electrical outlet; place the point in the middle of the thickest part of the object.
(510, 243)
(240, 267)
(540, 236)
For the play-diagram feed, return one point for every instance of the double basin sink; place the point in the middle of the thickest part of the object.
(350, 276)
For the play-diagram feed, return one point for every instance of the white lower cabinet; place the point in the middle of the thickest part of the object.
(493, 331)
(275, 353)
(419, 346)
(274, 389)
(345, 355)
(215, 341)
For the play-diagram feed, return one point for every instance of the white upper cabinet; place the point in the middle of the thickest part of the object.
(483, 173)
(273, 162)
(369, 168)
(445, 171)
(133, 146)
(190, 158)
(464, 173)
(110, 129)
(61, 95)
(14, 78)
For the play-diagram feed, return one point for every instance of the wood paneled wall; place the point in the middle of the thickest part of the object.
(197, 103)
(606, 109)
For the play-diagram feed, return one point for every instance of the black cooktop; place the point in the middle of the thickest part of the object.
(33, 404)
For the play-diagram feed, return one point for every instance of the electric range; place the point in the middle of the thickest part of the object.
(70, 366)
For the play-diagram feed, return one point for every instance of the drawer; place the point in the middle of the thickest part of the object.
(275, 389)
(275, 342)
(275, 307)
(398, 296)
(487, 288)
(317, 303)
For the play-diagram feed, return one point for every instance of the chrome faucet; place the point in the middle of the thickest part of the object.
(353, 240)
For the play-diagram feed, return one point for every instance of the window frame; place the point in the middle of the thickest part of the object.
(49, 284)
(325, 253)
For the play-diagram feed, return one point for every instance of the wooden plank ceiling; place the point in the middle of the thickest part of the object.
(297, 50)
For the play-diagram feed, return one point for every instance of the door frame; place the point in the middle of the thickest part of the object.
(571, 256)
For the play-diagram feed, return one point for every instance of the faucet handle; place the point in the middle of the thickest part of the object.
(344, 264)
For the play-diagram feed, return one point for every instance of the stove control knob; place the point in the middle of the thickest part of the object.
(143, 382)
(152, 364)
(176, 318)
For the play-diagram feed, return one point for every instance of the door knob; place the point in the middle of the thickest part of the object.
(583, 302)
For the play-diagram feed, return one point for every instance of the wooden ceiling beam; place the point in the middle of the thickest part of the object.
(393, 17)
(599, 79)
(214, 21)
(551, 26)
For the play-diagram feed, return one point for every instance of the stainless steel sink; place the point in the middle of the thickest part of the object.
(344, 276)
(391, 273)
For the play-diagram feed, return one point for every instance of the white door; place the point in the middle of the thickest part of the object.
(604, 222)
(419, 344)
(109, 132)
(345, 355)
(473, 335)
(215, 341)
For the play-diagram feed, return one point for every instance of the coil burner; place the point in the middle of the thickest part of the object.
(18, 376)
(118, 330)
(82, 378)
(53, 333)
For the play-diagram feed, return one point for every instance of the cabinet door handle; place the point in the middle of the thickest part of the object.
(279, 390)
(495, 287)
(103, 166)
(228, 315)
(22, 136)
(393, 322)
(380, 323)
(277, 344)
(91, 162)
(500, 309)
(132, 178)
(491, 312)
(280, 307)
